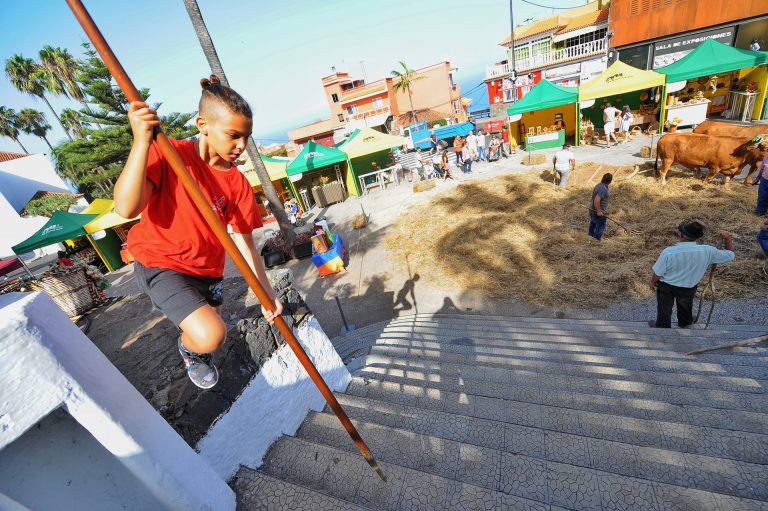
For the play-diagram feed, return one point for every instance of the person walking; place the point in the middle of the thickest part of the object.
(564, 162)
(598, 207)
(506, 150)
(466, 156)
(458, 144)
(471, 141)
(482, 145)
(678, 270)
(609, 124)
(762, 192)
(626, 122)
(445, 166)
(433, 141)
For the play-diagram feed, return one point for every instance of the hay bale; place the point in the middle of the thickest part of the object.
(423, 186)
(542, 255)
(359, 221)
(648, 152)
(534, 159)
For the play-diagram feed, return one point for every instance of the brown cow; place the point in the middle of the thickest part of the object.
(726, 155)
(730, 129)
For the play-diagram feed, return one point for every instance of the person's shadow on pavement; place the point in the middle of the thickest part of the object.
(402, 295)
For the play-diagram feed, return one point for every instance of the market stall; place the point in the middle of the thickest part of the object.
(317, 175)
(619, 85)
(364, 147)
(715, 79)
(544, 116)
(277, 171)
(108, 232)
(60, 227)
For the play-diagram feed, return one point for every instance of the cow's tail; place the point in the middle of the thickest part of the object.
(656, 165)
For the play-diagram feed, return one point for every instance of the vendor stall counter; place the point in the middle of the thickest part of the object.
(739, 105)
(545, 140)
(690, 114)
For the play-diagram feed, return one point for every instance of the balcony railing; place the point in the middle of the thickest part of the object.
(545, 59)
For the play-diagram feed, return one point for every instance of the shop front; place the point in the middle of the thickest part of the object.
(317, 175)
(715, 80)
(108, 233)
(619, 85)
(544, 116)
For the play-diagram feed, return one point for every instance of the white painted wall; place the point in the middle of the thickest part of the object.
(47, 363)
(21, 178)
(274, 403)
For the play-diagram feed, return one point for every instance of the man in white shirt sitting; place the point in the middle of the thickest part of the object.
(678, 271)
(564, 162)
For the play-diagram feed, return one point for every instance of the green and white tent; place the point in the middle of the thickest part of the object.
(314, 156)
(62, 226)
(709, 58)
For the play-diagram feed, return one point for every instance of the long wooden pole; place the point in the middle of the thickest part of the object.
(218, 228)
(738, 344)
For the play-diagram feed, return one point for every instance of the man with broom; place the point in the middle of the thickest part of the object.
(679, 269)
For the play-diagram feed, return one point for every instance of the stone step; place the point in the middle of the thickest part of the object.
(438, 454)
(707, 441)
(529, 382)
(491, 321)
(345, 475)
(257, 490)
(717, 379)
(509, 481)
(586, 349)
(754, 422)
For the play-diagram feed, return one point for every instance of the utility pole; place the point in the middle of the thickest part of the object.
(513, 71)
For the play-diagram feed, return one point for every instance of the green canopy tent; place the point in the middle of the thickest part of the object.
(61, 227)
(366, 146)
(543, 96)
(710, 58)
(313, 157)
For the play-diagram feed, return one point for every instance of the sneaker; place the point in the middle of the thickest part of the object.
(200, 368)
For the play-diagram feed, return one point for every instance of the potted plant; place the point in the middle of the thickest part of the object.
(302, 247)
(673, 123)
(275, 251)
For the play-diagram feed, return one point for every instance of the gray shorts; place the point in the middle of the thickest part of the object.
(176, 294)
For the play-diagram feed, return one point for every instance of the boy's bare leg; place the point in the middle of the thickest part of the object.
(203, 331)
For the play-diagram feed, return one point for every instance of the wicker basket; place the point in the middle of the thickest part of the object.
(71, 291)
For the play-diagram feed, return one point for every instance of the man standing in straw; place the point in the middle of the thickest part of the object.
(598, 207)
(564, 162)
(679, 269)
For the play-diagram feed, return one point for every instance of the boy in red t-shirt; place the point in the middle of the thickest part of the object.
(179, 262)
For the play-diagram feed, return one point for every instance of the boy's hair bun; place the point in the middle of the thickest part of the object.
(207, 83)
(215, 91)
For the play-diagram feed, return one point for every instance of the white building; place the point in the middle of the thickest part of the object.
(21, 177)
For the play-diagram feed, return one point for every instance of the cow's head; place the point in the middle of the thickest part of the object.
(760, 146)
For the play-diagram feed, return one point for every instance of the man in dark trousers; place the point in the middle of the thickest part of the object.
(679, 269)
(598, 206)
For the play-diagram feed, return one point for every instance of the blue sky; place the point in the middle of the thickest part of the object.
(273, 51)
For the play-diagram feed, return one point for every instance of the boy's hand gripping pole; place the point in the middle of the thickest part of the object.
(218, 228)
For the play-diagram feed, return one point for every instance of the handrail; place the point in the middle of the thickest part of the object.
(218, 228)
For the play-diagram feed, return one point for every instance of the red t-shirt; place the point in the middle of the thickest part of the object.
(172, 234)
(505, 136)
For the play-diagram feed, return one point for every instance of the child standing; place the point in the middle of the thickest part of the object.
(179, 262)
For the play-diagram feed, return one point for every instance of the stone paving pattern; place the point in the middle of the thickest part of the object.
(494, 413)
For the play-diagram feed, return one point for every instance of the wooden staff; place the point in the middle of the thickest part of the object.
(218, 228)
(738, 344)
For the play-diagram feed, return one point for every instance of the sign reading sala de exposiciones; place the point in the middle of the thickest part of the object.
(670, 50)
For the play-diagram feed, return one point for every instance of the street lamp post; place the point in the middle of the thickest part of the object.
(513, 72)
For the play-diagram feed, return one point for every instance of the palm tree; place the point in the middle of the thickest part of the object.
(404, 81)
(9, 126)
(31, 78)
(32, 122)
(275, 203)
(62, 64)
(74, 122)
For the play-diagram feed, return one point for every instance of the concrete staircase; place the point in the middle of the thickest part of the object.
(473, 412)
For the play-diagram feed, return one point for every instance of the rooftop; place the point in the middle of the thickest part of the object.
(8, 156)
(311, 129)
(585, 20)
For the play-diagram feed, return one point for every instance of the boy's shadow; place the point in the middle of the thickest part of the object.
(402, 295)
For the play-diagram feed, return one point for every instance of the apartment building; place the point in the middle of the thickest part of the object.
(355, 103)
(568, 48)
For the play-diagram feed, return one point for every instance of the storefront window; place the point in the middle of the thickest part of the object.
(636, 56)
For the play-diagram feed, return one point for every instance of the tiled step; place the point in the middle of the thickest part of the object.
(708, 441)
(443, 454)
(388, 355)
(700, 415)
(508, 481)
(510, 386)
(258, 491)
(575, 364)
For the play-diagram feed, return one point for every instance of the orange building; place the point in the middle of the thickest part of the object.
(355, 103)
(651, 34)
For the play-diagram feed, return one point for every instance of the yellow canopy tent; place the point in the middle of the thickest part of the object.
(109, 244)
(275, 168)
(366, 142)
(619, 78)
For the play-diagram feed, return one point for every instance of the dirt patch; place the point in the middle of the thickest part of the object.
(520, 237)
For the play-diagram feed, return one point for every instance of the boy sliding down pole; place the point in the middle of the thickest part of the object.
(188, 291)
